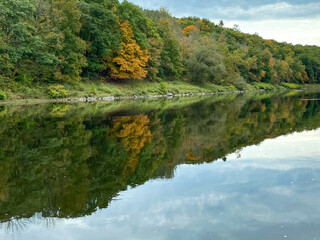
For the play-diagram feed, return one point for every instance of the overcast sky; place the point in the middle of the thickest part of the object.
(293, 21)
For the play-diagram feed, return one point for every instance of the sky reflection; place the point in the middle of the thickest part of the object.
(271, 192)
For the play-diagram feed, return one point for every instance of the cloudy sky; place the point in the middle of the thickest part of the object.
(294, 21)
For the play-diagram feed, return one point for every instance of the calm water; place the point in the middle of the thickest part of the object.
(223, 167)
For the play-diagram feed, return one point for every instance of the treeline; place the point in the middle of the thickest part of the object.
(79, 159)
(57, 41)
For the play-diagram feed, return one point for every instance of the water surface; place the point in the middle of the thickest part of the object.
(221, 167)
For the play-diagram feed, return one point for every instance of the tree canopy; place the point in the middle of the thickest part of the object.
(63, 41)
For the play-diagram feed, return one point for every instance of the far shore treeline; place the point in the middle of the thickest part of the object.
(59, 41)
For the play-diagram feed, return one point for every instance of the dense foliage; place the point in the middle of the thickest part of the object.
(57, 41)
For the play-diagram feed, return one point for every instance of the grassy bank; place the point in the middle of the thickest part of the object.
(17, 91)
(87, 89)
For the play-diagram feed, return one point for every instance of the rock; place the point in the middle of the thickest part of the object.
(109, 98)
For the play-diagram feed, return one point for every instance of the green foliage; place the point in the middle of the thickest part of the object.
(24, 78)
(205, 63)
(291, 85)
(100, 31)
(3, 95)
(163, 87)
(62, 42)
(170, 62)
(241, 84)
(264, 86)
(57, 91)
(93, 90)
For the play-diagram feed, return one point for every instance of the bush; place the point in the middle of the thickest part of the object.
(291, 85)
(163, 87)
(264, 86)
(57, 91)
(232, 87)
(93, 90)
(240, 83)
(24, 78)
(3, 95)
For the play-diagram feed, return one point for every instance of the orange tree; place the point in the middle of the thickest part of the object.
(131, 60)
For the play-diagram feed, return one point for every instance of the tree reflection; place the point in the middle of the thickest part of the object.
(66, 161)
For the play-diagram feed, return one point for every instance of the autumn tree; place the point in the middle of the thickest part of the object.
(130, 61)
(134, 133)
(190, 28)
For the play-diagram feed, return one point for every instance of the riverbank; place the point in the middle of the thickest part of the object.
(87, 91)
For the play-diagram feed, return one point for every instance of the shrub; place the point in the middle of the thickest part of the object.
(232, 87)
(93, 90)
(264, 86)
(3, 95)
(57, 91)
(24, 78)
(240, 83)
(163, 87)
(291, 85)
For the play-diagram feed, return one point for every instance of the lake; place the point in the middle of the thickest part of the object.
(241, 166)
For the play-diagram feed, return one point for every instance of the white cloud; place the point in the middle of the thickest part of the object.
(298, 150)
(295, 31)
(281, 10)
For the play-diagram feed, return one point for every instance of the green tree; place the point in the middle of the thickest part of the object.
(205, 62)
(171, 65)
(16, 36)
(100, 31)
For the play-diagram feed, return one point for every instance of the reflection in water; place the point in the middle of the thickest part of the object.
(62, 161)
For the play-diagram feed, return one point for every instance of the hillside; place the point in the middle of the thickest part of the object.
(48, 44)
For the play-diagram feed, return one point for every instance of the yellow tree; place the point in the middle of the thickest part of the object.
(134, 132)
(131, 60)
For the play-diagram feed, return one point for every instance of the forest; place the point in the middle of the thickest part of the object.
(45, 42)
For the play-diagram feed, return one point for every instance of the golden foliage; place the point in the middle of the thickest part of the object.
(131, 60)
(190, 156)
(134, 132)
(190, 28)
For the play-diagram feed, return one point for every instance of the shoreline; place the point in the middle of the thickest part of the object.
(114, 98)
(134, 92)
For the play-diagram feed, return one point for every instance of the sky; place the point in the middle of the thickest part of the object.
(292, 21)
